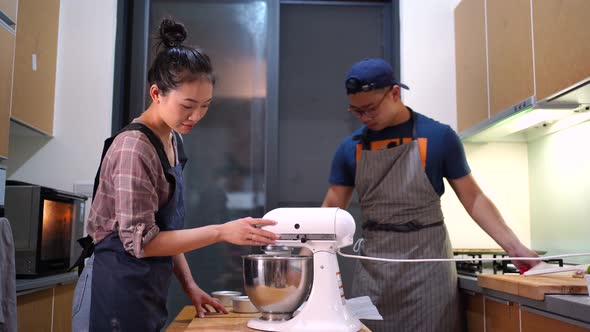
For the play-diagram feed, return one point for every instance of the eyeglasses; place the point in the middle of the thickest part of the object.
(371, 111)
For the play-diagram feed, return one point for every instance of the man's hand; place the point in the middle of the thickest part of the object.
(525, 265)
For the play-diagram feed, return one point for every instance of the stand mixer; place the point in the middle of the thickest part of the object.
(323, 231)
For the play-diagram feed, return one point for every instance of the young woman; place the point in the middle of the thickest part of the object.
(137, 214)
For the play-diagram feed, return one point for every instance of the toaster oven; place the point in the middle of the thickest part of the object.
(45, 224)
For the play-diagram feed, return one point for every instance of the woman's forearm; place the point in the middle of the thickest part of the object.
(171, 243)
(183, 272)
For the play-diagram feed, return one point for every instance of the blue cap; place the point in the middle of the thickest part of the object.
(370, 74)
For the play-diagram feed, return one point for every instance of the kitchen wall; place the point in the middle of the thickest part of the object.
(427, 47)
(560, 187)
(428, 68)
(83, 101)
(501, 170)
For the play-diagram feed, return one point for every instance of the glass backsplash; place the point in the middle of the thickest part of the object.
(559, 189)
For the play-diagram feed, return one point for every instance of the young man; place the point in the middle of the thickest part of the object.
(396, 162)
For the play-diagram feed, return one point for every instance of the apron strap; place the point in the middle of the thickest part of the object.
(87, 242)
(182, 158)
(363, 137)
(87, 245)
(372, 225)
(413, 119)
(151, 137)
(156, 142)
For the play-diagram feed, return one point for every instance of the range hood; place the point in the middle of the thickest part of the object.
(530, 119)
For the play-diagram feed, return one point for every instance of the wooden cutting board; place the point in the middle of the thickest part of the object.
(533, 287)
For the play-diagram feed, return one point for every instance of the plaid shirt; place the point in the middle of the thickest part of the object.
(132, 188)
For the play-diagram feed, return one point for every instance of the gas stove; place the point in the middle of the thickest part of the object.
(473, 268)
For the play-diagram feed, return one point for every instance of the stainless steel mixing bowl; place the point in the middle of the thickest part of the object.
(277, 285)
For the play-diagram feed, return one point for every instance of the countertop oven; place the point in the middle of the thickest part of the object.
(45, 224)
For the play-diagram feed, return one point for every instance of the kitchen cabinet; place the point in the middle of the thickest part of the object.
(532, 322)
(504, 310)
(561, 49)
(34, 311)
(501, 315)
(46, 310)
(474, 311)
(8, 8)
(510, 54)
(510, 50)
(35, 64)
(62, 314)
(471, 68)
(6, 61)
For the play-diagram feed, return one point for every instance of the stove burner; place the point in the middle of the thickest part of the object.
(473, 268)
(508, 267)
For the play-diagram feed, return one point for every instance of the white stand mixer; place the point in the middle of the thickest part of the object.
(323, 231)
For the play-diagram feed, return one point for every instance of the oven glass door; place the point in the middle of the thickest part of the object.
(56, 231)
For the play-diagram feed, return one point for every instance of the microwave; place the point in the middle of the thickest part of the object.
(45, 225)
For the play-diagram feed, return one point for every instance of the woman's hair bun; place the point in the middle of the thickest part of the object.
(172, 34)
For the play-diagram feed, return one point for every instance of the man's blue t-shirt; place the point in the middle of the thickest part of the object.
(441, 151)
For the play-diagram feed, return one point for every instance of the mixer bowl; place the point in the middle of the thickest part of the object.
(277, 285)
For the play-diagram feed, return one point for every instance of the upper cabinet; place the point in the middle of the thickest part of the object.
(471, 70)
(6, 60)
(510, 53)
(8, 8)
(35, 64)
(513, 53)
(561, 43)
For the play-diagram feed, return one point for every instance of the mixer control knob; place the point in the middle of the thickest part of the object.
(303, 239)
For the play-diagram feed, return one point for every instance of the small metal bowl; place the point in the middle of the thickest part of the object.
(242, 304)
(225, 297)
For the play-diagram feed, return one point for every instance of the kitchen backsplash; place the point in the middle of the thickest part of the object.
(501, 170)
(559, 166)
(541, 188)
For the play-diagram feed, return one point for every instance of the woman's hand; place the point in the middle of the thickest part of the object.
(244, 232)
(201, 300)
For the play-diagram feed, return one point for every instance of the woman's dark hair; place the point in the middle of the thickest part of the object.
(176, 63)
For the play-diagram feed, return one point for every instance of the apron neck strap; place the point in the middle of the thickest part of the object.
(413, 120)
(364, 136)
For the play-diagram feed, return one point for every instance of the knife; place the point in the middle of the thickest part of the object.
(544, 268)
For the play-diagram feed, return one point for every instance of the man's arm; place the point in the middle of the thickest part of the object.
(487, 216)
(338, 196)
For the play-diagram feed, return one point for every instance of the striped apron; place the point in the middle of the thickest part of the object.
(402, 218)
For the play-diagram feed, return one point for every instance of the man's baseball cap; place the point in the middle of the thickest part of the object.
(370, 74)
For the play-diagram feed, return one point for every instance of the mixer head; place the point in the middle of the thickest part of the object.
(306, 227)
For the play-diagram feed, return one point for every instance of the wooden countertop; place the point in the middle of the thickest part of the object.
(186, 321)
